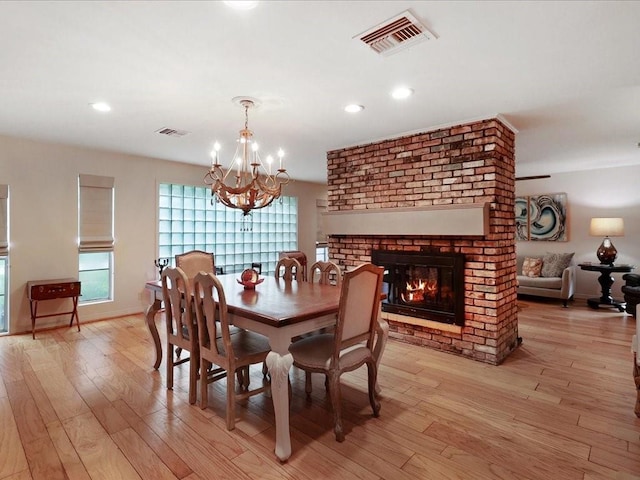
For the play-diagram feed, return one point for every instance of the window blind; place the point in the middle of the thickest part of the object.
(321, 209)
(4, 220)
(96, 213)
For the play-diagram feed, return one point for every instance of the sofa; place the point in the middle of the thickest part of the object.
(631, 291)
(557, 280)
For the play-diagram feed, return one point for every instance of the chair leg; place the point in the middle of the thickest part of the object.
(246, 381)
(204, 394)
(169, 366)
(194, 365)
(373, 399)
(334, 392)
(240, 377)
(307, 383)
(231, 400)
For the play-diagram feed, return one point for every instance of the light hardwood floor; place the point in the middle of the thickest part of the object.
(88, 405)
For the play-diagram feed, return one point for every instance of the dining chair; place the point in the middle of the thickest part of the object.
(195, 261)
(327, 273)
(232, 353)
(181, 328)
(351, 345)
(300, 256)
(288, 269)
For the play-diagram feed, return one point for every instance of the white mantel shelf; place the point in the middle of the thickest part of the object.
(450, 220)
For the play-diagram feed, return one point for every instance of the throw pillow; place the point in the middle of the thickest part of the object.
(531, 267)
(553, 264)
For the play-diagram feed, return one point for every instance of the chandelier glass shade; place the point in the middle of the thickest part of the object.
(247, 184)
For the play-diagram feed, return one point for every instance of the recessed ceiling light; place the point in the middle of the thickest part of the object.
(101, 107)
(353, 108)
(402, 93)
(241, 4)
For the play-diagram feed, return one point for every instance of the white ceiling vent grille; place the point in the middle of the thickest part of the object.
(172, 132)
(395, 34)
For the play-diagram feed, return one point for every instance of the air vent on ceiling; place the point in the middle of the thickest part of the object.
(395, 34)
(172, 132)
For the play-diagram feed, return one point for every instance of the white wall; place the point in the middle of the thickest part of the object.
(607, 192)
(43, 192)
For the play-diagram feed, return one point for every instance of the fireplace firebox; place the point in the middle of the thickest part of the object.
(423, 284)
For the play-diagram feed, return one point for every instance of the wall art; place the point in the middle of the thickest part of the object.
(542, 217)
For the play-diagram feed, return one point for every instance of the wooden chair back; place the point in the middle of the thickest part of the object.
(181, 328)
(212, 319)
(300, 257)
(288, 269)
(327, 273)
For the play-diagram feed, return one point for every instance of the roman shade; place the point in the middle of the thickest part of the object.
(4, 219)
(321, 209)
(96, 213)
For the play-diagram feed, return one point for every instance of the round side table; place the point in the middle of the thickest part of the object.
(606, 280)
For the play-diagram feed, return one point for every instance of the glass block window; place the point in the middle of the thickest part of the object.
(188, 221)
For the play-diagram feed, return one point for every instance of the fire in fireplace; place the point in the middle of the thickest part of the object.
(423, 284)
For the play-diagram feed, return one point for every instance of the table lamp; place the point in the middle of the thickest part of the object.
(607, 227)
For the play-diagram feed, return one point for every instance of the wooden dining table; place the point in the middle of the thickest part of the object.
(280, 310)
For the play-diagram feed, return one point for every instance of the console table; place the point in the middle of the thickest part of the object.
(606, 280)
(38, 290)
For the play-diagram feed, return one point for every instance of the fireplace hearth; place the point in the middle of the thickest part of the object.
(423, 284)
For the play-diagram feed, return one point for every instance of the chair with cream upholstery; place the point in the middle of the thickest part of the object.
(233, 353)
(181, 328)
(195, 261)
(288, 269)
(327, 273)
(352, 343)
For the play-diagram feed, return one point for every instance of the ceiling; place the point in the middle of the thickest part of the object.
(566, 75)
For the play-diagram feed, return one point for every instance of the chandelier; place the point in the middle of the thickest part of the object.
(247, 183)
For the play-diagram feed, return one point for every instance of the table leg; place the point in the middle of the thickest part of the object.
(33, 304)
(150, 316)
(606, 281)
(279, 365)
(74, 313)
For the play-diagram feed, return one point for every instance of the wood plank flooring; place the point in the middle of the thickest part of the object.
(88, 405)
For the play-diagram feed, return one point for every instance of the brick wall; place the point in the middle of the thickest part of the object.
(470, 163)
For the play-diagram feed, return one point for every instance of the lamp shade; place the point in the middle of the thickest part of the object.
(606, 227)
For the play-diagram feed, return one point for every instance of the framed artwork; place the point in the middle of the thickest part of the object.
(522, 218)
(542, 217)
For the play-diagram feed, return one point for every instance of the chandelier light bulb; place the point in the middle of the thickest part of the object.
(216, 147)
(280, 157)
(254, 147)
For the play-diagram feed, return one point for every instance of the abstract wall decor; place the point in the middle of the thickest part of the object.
(522, 218)
(542, 217)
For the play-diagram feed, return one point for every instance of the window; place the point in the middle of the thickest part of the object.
(4, 251)
(188, 221)
(95, 226)
(322, 252)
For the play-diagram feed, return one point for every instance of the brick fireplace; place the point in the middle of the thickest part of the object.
(439, 173)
